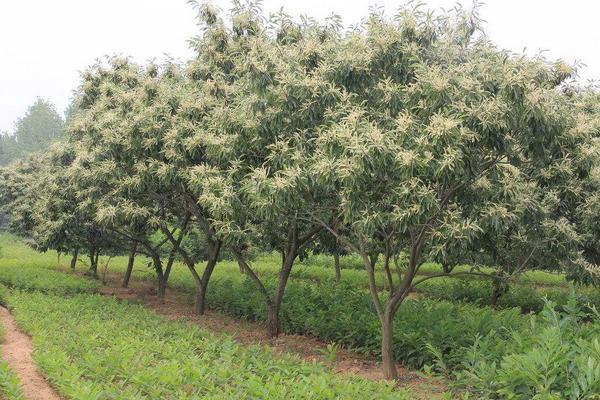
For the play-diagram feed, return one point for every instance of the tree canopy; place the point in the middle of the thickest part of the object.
(404, 139)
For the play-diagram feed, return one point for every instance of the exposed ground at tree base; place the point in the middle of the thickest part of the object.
(16, 351)
(176, 306)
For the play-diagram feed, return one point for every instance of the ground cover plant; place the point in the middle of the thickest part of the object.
(109, 349)
(34, 278)
(10, 386)
(558, 359)
(439, 336)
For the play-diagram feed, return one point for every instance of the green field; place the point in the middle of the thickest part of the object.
(458, 340)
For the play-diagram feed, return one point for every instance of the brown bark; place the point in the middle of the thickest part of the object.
(202, 285)
(272, 321)
(387, 346)
(272, 304)
(288, 256)
(130, 263)
(163, 276)
(162, 288)
(160, 276)
(284, 275)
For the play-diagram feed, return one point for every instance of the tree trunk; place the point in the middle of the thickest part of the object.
(272, 318)
(447, 268)
(273, 308)
(202, 285)
(130, 263)
(336, 264)
(163, 275)
(74, 259)
(160, 276)
(272, 321)
(94, 263)
(162, 288)
(387, 346)
(496, 292)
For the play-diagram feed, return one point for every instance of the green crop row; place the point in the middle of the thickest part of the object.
(10, 386)
(93, 347)
(527, 298)
(558, 358)
(29, 277)
(493, 354)
(345, 315)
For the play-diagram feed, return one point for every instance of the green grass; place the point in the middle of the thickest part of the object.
(29, 277)
(93, 347)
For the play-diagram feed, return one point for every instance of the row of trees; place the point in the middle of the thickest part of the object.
(401, 140)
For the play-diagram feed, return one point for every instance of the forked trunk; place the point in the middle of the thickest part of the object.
(130, 263)
(164, 277)
(272, 312)
(202, 284)
(273, 308)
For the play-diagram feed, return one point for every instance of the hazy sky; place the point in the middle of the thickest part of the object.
(45, 44)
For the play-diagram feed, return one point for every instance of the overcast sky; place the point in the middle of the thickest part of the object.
(44, 45)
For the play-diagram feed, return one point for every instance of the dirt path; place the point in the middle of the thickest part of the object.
(16, 351)
(176, 306)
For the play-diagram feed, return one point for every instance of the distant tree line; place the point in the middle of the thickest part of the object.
(35, 131)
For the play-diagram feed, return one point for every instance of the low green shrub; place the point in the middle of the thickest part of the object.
(559, 358)
(93, 347)
(528, 299)
(344, 314)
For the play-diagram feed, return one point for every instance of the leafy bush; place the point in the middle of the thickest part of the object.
(109, 350)
(527, 298)
(344, 314)
(558, 359)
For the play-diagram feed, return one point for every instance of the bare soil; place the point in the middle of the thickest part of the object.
(176, 306)
(16, 351)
